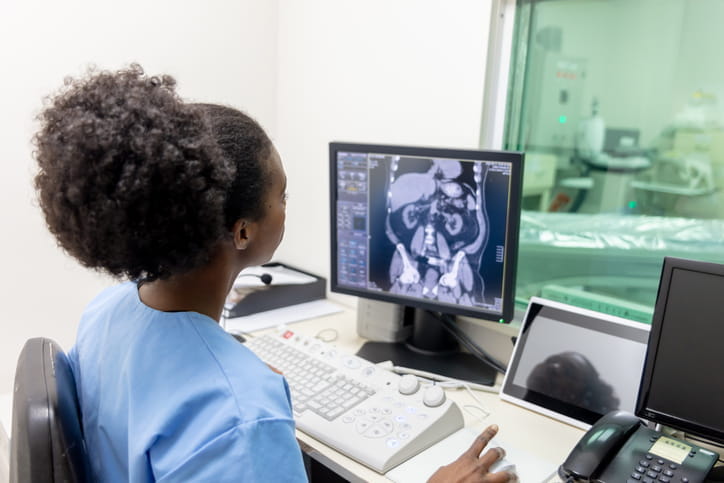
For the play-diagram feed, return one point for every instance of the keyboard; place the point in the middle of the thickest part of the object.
(374, 416)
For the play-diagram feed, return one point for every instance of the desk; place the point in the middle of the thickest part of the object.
(528, 431)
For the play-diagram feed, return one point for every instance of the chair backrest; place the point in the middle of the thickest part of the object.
(47, 440)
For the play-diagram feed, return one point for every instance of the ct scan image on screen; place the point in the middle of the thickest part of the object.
(423, 228)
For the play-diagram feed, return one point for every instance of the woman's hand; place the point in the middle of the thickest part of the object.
(471, 466)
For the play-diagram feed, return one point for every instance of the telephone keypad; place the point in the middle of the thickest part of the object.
(654, 470)
(638, 460)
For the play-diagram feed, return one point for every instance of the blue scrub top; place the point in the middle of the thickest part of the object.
(170, 396)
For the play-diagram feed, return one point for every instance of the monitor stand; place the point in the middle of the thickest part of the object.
(430, 348)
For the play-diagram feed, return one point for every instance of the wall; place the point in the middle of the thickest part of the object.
(218, 51)
(403, 72)
(645, 58)
(409, 71)
(698, 65)
(612, 36)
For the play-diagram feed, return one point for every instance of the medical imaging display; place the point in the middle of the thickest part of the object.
(423, 228)
(563, 363)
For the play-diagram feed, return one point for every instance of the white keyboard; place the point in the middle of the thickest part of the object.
(376, 417)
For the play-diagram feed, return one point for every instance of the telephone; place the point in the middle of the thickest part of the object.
(619, 448)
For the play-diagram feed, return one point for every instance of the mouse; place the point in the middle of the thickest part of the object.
(502, 465)
(238, 337)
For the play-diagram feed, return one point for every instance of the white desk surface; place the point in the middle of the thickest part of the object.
(529, 432)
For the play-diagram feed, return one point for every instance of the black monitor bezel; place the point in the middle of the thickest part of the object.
(516, 159)
(642, 403)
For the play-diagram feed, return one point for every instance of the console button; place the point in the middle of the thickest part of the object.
(434, 396)
(393, 443)
(408, 384)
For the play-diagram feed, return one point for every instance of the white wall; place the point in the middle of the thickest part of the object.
(401, 72)
(698, 65)
(219, 51)
(312, 71)
(631, 93)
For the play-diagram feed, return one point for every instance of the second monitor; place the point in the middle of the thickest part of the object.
(431, 229)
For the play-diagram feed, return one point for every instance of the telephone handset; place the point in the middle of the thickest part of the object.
(598, 446)
(619, 448)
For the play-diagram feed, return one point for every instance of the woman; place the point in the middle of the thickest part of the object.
(176, 198)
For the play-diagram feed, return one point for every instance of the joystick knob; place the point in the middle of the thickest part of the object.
(408, 384)
(433, 397)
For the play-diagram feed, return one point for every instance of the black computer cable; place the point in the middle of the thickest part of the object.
(465, 340)
(479, 351)
(471, 345)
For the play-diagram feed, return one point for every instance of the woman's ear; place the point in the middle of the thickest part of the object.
(242, 233)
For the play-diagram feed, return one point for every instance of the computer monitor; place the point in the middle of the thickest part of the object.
(433, 230)
(681, 383)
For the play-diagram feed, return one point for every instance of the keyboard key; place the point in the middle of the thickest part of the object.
(332, 414)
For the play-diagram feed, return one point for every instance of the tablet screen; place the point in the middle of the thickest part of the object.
(574, 364)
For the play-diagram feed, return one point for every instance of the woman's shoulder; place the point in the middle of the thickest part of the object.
(248, 378)
(205, 359)
(111, 295)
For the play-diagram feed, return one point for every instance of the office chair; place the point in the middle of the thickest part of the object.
(47, 441)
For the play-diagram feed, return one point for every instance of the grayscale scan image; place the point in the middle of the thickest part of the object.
(437, 222)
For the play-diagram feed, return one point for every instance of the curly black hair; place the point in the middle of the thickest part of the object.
(135, 182)
(242, 140)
